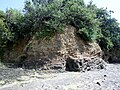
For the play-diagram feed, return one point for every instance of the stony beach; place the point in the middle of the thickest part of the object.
(21, 79)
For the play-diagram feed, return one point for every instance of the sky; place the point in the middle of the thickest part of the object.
(110, 4)
(113, 5)
(17, 4)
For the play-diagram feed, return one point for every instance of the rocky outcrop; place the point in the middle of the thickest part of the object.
(84, 64)
(112, 56)
(65, 51)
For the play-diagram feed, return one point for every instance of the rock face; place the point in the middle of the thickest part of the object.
(65, 51)
(113, 56)
(84, 64)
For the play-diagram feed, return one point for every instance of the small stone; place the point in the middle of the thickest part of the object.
(98, 83)
(105, 75)
(2, 82)
(23, 78)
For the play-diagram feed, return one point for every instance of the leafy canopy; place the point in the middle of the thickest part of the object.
(54, 15)
(44, 18)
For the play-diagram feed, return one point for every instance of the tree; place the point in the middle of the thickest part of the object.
(52, 16)
(47, 17)
(110, 29)
(15, 23)
(5, 34)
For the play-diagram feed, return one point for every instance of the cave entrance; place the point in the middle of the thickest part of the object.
(72, 65)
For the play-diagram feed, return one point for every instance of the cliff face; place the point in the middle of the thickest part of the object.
(113, 56)
(62, 51)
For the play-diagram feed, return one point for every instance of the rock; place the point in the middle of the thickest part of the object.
(105, 75)
(98, 83)
(55, 52)
(57, 66)
(2, 82)
(113, 55)
(36, 63)
(23, 78)
(84, 64)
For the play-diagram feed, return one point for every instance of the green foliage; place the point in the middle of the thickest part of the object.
(109, 28)
(44, 18)
(5, 34)
(15, 23)
(54, 15)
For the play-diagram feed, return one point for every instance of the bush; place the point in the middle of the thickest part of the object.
(54, 15)
(44, 18)
(5, 34)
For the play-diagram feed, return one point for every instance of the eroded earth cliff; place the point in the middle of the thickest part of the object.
(66, 51)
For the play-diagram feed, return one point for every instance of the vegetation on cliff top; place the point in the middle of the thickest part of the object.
(46, 17)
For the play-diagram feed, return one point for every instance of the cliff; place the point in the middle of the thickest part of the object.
(65, 51)
(112, 56)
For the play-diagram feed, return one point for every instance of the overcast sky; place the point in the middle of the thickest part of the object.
(110, 4)
(113, 5)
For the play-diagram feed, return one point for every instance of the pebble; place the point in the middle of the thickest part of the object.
(2, 82)
(23, 78)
